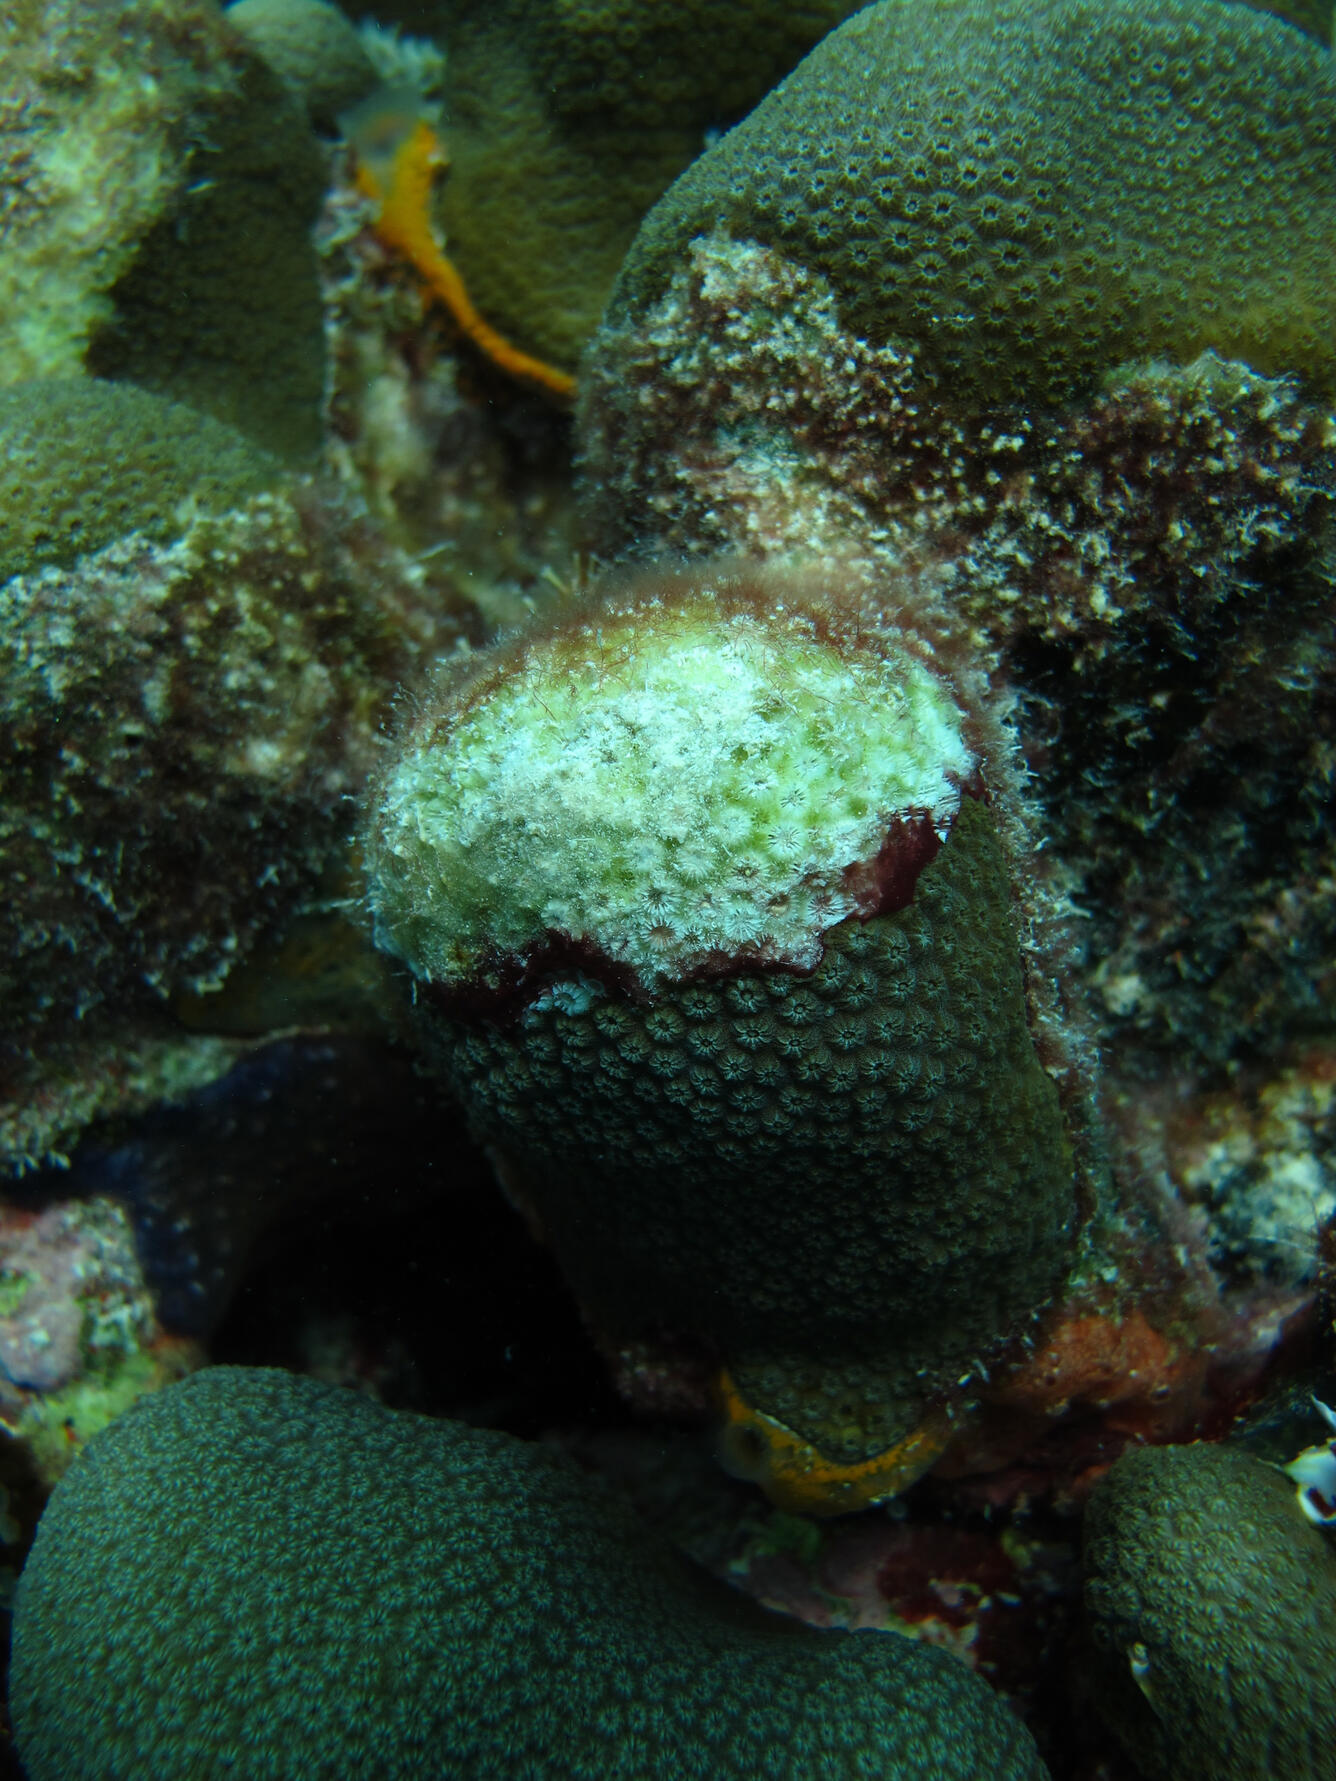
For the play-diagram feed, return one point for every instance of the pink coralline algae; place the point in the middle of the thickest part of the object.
(60, 1268)
(79, 1335)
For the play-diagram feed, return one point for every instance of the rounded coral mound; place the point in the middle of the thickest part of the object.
(254, 1573)
(1033, 191)
(713, 922)
(1213, 1608)
(83, 462)
(192, 680)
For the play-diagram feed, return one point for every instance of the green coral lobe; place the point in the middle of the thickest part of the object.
(1213, 1607)
(83, 462)
(1033, 191)
(754, 1099)
(254, 1563)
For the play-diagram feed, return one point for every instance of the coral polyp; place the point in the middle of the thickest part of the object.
(711, 911)
(200, 1587)
(679, 783)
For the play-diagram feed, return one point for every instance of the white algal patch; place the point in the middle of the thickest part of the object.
(661, 784)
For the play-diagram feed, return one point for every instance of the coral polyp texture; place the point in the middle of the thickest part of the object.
(714, 921)
(62, 496)
(159, 188)
(84, 178)
(1212, 1605)
(1034, 190)
(193, 677)
(565, 123)
(199, 1588)
(1141, 570)
(670, 785)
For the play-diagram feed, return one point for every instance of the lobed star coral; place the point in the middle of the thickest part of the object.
(1031, 193)
(251, 1562)
(716, 921)
(1106, 582)
(1212, 1605)
(192, 684)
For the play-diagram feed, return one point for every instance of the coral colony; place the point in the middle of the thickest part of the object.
(1244, 1690)
(488, 1611)
(692, 640)
(796, 1010)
